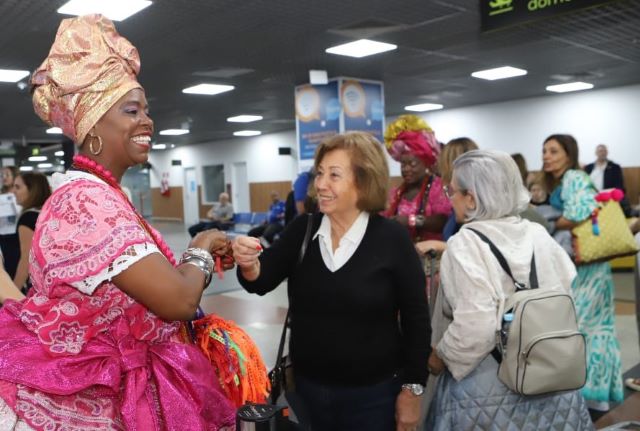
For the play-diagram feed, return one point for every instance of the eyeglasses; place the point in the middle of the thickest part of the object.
(450, 191)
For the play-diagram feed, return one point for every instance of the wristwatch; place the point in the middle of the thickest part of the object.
(415, 388)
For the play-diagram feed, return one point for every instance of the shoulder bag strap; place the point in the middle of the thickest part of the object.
(303, 250)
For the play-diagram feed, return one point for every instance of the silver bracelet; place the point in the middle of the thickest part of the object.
(201, 259)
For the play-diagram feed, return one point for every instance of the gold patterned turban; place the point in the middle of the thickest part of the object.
(89, 68)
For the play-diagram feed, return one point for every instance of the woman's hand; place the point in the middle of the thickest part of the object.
(423, 247)
(212, 240)
(436, 364)
(246, 251)
(407, 411)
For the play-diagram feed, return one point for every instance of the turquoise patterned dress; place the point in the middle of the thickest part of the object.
(593, 293)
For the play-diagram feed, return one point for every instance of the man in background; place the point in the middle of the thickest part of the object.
(274, 224)
(220, 216)
(606, 174)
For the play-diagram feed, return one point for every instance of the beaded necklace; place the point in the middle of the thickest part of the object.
(85, 164)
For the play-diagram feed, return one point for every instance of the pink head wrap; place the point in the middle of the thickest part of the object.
(409, 134)
(89, 68)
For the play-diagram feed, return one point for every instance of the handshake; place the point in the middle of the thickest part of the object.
(225, 252)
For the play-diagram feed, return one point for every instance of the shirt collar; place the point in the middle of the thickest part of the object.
(353, 235)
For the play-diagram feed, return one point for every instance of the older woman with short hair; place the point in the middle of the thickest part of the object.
(357, 365)
(487, 195)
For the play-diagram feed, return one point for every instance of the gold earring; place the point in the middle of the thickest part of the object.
(93, 139)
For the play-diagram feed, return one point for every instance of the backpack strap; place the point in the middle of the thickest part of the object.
(533, 274)
(533, 277)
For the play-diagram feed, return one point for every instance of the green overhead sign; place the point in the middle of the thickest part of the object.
(503, 13)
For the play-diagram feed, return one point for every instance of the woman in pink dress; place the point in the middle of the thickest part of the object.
(419, 203)
(97, 343)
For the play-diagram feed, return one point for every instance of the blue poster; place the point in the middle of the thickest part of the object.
(363, 106)
(317, 116)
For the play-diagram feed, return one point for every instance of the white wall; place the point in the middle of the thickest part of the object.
(264, 164)
(608, 116)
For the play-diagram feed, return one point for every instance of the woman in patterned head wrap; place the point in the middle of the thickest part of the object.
(419, 203)
(97, 344)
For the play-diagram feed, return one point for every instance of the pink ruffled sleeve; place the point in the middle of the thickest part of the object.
(87, 234)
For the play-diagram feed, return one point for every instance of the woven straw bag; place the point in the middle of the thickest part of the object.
(610, 238)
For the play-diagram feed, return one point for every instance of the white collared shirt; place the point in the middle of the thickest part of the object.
(348, 243)
(597, 175)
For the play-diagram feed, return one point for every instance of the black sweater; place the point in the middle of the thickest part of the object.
(345, 328)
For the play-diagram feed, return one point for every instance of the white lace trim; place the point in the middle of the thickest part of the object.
(9, 420)
(128, 257)
(58, 180)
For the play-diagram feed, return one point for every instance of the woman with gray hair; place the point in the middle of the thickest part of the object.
(487, 194)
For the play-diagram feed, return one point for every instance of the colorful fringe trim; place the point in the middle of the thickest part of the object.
(235, 357)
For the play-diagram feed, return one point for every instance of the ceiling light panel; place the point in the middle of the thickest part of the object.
(247, 133)
(499, 73)
(244, 118)
(208, 89)
(174, 132)
(423, 107)
(116, 10)
(9, 75)
(361, 48)
(570, 86)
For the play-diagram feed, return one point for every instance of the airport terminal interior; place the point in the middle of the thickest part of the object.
(237, 96)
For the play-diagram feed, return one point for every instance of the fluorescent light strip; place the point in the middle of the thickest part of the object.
(423, 107)
(361, 48)
(116, 10)
(208, 89)
(45, 165)
(174, 132)
(244, 118)
(59, 153)
(499, 73)
(26, 168)
(570, 86)
(247, 133)
(54, 131)
(10, 75)
(159, 147)
(37, 158)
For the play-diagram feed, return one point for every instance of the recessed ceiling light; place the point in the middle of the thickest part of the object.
(26, 168)
(54, 131)
(174, 132)
(45, 165)
(499, 73)
(37, 158)
(208, 89)
(173, 145)
(8, 75)
(59, 153)
(244, 118)
(116, 10)
(62, 162)
(159, 146)
(247, 133)
(361, 48)
(424, 107)
(570, 86)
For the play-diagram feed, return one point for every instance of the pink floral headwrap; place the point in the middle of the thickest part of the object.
(410, 134)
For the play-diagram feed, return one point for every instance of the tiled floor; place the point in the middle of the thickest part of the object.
(262, 316)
